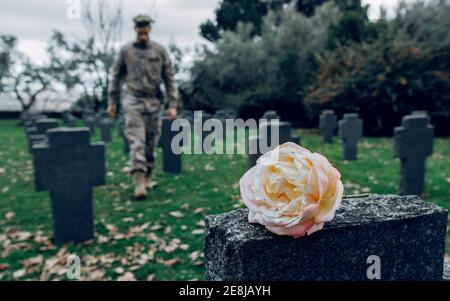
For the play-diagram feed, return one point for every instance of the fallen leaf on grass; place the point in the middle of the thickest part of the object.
(198, 231)
(195, 255)
(209, 167)
(111, 228)
(95, 275)
(143, 259)
(21, 235)
(145, 226)
(198, 210)
(170, 262)
(201, 223)
(156, 227)
(119, 236)
(172, 246)
(8, 248)
(176, 214)
(101, 239)
(184, 247)
(32, 261)
(19, 273)
(128, 276)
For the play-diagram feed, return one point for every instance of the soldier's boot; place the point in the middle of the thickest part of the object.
(140, 190)
(150, 184)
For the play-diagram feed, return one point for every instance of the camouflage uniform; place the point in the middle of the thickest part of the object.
(143, 68)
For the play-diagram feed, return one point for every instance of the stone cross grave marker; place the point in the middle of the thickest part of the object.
(106, 124)
(265, 135)
(69, 119)
(171, 161)
(32, 118)
(401, 237)
(423, 112)
(327, 125)
(350, 130)
(90, 121)
(37, 134)
(30, 122)
(270, 115)
(413, 144)
(70, 166)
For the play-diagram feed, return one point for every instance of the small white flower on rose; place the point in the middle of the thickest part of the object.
(292, 191)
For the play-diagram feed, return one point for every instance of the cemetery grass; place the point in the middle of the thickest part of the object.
(161, 238)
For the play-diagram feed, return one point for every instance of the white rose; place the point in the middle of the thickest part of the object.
(292, 191)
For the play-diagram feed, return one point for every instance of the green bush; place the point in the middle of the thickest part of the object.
(335, 58)
(271, 71)
(406, 69)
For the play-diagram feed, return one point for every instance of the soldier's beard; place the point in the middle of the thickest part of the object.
(143, 42)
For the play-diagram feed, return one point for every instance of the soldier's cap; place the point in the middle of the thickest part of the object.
(142, 20)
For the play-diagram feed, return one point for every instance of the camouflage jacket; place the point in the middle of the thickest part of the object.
(143, 68)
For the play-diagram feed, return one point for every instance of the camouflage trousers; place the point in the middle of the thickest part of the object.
(142, 130)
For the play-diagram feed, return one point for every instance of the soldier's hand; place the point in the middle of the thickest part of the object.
(112, 111)
(172, 113)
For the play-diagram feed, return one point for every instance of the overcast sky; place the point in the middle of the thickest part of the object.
(32, 21)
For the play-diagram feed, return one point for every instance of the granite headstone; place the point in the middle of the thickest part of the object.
(106, 124)
(327, 125)
(350, 130)
(71, 167)
(406, 234)
(264, 138)
(69, 119)
(37, 134)
(413, 144)
(171, 160)
(90, 120)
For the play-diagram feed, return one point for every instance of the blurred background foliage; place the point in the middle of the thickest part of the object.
(300, 57)
(297, 57)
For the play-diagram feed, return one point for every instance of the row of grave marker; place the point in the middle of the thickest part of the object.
(68, 165)
(58, 150)
(413, 142)
(412, 155)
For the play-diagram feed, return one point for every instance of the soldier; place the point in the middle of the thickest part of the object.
(143, 65)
